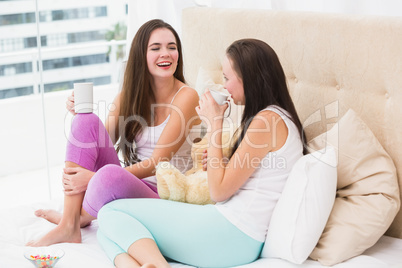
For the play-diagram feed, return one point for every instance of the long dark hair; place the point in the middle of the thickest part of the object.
(264, 83)
(137, 95)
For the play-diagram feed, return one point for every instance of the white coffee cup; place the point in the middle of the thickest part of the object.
(221, 98)
(83, 98)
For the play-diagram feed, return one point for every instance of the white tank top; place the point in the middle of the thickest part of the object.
(251, 207)
(147, 140)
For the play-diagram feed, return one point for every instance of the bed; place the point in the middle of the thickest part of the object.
(333, 63)
(18, 225)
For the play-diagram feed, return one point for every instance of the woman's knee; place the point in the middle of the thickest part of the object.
(104, 213)
(106, 177)
(86, 122)
(89, 119)
(107, 211)
(85, 130)
(100, 190)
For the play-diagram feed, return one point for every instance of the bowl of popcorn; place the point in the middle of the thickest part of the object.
(44, 257)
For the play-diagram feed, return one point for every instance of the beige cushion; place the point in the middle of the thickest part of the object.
(367, 196)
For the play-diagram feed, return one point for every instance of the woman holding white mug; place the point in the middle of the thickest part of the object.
(154, 113)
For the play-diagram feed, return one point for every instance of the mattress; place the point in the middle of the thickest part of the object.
(18, 225)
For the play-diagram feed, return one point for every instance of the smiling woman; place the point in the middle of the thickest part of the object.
(155, 111)
(162, 57)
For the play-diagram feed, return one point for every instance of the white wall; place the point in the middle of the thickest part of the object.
(22, 131)
(362, 7)
(140, 11)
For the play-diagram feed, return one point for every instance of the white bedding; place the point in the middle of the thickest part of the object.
(19, 225)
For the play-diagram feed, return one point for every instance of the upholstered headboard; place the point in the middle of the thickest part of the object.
(332, 63)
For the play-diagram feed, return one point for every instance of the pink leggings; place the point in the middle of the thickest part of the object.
(90, 146)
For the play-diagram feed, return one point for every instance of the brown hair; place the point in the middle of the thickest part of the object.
(264, 83)
(137, 95)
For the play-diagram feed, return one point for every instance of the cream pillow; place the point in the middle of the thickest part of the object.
(205, 80)
(368, 194)
(303, 208)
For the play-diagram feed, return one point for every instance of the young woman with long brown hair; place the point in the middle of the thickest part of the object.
(152, 118)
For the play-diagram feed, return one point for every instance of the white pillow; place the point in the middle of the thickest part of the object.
(303, 209)
(205, 80)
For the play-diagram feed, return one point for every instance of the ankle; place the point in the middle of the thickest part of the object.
(69, 224)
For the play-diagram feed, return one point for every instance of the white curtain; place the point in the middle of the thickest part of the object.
(140, 11)
(361, 7)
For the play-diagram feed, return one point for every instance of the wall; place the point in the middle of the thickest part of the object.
(22, 130)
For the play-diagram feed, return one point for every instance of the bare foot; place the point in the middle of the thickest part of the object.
(60, 234)
(55, 217)
(49, 214)
(148, 265)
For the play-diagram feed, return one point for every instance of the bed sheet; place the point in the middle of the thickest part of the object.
(19, 225)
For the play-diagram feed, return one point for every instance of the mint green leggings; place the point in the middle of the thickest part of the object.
(192, 234)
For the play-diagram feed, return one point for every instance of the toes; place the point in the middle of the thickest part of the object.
(39, 213)
(30, 243)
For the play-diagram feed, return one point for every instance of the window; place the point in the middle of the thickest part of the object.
(54, 40)
(71, 14)
(45, 16)
(15, 92)
(74, 61)
(17, 19)
(30, 42)
(104, 80)
(100, 12)
(8, 45)
(69, 54)
(17, 68)
(57, 15)
(85, 36)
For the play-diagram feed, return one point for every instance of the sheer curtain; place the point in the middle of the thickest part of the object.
(140, 11)
(361, 7)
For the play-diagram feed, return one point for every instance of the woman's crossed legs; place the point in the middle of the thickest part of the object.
(132, 230)
(90, 147)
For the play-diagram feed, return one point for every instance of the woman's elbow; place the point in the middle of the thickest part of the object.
(218, 196)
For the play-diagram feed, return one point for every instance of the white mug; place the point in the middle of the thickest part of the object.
(221, 98)
(83, 98)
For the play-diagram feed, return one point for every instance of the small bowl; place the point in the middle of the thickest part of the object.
(44, 257)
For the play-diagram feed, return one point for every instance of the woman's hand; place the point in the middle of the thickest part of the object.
(204, 159)
(76, 179)
(70, 104)
(209, 110)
